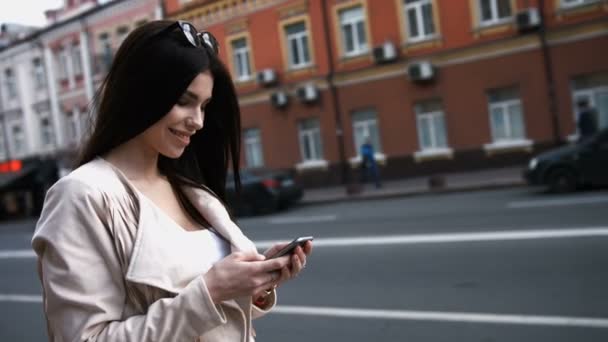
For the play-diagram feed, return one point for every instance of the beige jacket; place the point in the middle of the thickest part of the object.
(105, 271)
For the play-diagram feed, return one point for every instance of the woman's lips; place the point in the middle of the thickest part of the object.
(183, 137)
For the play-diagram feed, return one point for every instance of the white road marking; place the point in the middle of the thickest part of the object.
(451, 237)
(405, 315)
(308, 219)
(17, 254)
(557, 202)
(20, 298)
(463, 317)
(409, 239)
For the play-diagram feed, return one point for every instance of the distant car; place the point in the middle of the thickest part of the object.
(262, 192)
(568, 167)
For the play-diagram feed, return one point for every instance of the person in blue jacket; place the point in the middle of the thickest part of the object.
(368, 163)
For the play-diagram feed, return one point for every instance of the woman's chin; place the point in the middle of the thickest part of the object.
(173, 153)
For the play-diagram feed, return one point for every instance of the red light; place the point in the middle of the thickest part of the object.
(4, 167)
(270, 183)
(15, 165)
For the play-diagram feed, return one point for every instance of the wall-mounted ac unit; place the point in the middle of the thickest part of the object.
(279, 99)
(421, 71)
(267, 77)
(528, 19)
(385, 53)
(308, 93)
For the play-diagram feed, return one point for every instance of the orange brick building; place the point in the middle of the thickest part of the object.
(436, 85)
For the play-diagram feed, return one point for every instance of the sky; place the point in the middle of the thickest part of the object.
(28, 12)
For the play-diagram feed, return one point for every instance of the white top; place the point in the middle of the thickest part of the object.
(195, 251)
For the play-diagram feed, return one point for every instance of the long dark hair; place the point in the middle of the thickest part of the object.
(205, 161)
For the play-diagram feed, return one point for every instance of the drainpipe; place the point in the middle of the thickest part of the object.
(548, 64)
(345, 172)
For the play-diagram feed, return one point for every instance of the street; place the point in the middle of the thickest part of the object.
(502, 265)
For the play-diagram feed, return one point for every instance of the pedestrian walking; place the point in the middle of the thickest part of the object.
(586, 119)
(136, 243)
(369, 167)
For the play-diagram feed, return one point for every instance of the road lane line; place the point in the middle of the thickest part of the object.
(557, 202)
(301, 219)
(411, 239)
(17, 254)
(452, 237)
(20, 298)
(441, 316)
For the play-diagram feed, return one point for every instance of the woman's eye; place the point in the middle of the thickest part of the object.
(182, 102)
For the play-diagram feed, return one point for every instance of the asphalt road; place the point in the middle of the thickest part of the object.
(509, 265)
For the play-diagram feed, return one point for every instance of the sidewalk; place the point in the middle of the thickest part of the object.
(466, 181)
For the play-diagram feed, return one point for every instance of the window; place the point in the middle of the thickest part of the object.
(365, 126)
(595, 89)
(506, 117)
(71, 127)
(121, 33)
(430, 122)
(18, 139)
(62, 61)
(76, 60)
(352, 28)
(253, 148)
(240, 56)
(310, 140)
(297, 45)
(105, 58)
(11, 83)
(419, 18)
(494, 11)
(39, 74)
(46, 132)
(573, 3)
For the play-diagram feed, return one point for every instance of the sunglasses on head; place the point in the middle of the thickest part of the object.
(198, 39)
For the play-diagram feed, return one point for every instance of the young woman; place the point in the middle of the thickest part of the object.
(136, 244)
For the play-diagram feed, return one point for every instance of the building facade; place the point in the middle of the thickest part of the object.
(436, 85)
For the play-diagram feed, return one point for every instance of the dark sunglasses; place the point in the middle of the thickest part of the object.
(198, 39)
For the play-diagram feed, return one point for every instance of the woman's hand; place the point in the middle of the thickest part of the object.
(297, 260)
(243, 274)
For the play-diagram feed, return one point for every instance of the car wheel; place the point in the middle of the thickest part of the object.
(562, 180)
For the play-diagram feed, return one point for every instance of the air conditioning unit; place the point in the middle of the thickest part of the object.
(528, 19)
(421, 71)
(308, 93)
(267, 77)
(279, 99)
(385, 53)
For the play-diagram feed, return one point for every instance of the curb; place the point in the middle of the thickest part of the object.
(381, 196)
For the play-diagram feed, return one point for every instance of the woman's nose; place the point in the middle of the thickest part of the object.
(196, 120)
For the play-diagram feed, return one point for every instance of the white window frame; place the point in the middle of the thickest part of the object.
(240, 59)
(76, 59)
(504, 106)
(302, 44)
(358, 47)
(62, 64)
(10, 81)
(417, 7)
(576, 3)
(39, 73)
(366, 125)
(46, 132)
(18, 147)
(589, 93)
(307, 136)
(254, 155)
(495, 19)
(429, 118)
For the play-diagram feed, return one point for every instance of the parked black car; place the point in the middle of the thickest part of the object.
(262, 192)
(568, 167)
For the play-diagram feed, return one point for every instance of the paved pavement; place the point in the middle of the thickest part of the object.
(464, 181)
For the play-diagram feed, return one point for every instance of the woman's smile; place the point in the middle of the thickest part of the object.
(182, 136)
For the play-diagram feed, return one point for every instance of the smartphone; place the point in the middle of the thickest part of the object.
(291, 246)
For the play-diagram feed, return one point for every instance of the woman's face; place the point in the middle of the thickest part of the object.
(171, 134)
